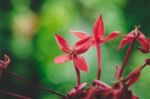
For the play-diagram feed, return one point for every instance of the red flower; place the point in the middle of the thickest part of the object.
(98, 31)
(73, 53)
(4, 64)
(135, 35)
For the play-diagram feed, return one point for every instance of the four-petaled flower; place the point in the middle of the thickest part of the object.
(73, 53)
(98, 33)
(4, 64)
(136, 34)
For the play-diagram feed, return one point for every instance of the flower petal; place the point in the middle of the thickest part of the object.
(133, 76)
(61, 59)
(141, 35)
(79, 34)
(62, 43)
(83, 45)
(124, 42)
(80, 63)
(144, 43)
(134, 97)
(112, 36)
(98, 28)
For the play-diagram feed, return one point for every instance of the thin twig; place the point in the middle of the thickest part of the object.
(32, 84)
(13, 94)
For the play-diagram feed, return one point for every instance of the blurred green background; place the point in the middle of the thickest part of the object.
(27, 29)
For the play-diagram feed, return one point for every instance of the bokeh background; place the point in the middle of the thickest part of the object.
(27, 29)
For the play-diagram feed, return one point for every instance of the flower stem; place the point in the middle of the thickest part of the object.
(32, 84)
(126, 58)
(98, 49)
(78, 75)
(13, 94)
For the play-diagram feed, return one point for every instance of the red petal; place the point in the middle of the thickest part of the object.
(141, 35)
(131, 34)
(124, 42)
(144, 43)
(83, 45)
(61, 59)
(98, 28)
(81, 86)
(79, 34)
(80, 63)
(112, 36)
(62, 43)
(134, 97)
(133, 77)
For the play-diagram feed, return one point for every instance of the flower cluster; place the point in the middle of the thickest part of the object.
(100, 90)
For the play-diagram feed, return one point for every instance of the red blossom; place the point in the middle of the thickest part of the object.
(136, 34)
(4, 63)
(98, 33)
(73, 53)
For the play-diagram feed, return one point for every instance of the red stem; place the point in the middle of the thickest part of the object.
(126, 58)
(32, 84)
(78, 75)
(98, 49)
(13, 94)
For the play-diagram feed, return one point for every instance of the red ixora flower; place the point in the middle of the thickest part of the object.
(73, 53)
(4, 64)
(136, 34)
(98, 31)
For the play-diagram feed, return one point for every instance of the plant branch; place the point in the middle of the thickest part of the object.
(126, 58)
(32, 84)
(98, 49)
(13, 94)
(78, 75)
